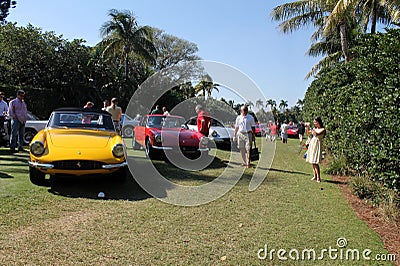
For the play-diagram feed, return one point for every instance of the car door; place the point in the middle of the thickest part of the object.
(140, 131)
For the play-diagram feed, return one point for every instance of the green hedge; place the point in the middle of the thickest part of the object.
(359, 103)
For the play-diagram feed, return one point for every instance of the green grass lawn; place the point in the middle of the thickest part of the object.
(66, 224)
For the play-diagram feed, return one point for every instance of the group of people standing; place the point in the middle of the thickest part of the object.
(16, 110)
(112, 108)
(244, 133)
(159, 111)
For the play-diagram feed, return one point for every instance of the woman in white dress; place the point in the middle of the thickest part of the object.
(314, 153)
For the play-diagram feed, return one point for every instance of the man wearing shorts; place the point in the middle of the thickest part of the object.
(245, 127)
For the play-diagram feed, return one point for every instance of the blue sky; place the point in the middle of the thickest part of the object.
(237, 33)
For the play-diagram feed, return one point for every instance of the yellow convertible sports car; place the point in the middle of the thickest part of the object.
(77, 142)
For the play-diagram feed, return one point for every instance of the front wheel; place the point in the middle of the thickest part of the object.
(28, 135)
(127, 131)
(37, 177)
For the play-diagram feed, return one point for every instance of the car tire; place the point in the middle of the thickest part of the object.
(127, 131)
(135, 145)
(150, 152)
(37, 178)
(28, 135)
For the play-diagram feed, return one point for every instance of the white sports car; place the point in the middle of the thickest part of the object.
(221, 135)
(33, 125)
(128, 124)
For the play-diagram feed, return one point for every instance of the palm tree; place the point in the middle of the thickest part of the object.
(298, 14)
(300, 103)
(271, 103)
(283, 104)
(249, 104)
(206, 86)
(259, 104)
(329, 15)
(367, 12)
(123, 36)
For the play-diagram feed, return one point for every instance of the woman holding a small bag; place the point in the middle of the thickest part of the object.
(314, 152)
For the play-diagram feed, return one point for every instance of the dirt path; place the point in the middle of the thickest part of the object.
(389, 232)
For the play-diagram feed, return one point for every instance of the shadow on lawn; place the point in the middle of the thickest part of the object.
(285, 171)
(90, 186)
(4, 175)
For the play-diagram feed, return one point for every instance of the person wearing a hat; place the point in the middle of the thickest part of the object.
(116, 112)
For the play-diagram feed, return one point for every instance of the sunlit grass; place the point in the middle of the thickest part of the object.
(67, 224)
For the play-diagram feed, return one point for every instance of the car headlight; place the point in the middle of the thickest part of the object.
(204, 141)
(157, 138)
(118, 150)
(214, 134)
(37, 148)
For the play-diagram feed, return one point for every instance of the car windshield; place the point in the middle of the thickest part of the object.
(32, 116)
(166, 121)
(85, 120)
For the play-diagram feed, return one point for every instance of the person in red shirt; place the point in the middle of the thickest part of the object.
(203, 121)
(273, 128)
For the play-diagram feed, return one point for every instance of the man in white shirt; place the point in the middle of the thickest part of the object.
(245, 127)
(284, 129)
(116, 113)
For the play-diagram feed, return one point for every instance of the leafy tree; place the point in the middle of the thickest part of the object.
(44, 65)
(358, 102)
(5, 6)
(172, 50)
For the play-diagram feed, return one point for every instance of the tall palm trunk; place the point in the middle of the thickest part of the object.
(374, 16)
(343, 41)
(126, 63)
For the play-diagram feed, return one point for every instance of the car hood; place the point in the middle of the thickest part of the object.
(223, 132)
(186, 137)
(88, 139)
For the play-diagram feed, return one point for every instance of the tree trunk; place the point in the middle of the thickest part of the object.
(374, 16)
(343, 40)
(126, 64)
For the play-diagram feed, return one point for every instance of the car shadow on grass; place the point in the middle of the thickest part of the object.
(90, 186)
(174, 173)
(4, 175)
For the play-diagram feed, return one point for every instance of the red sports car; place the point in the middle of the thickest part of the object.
(158, 133)
(293, 132)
